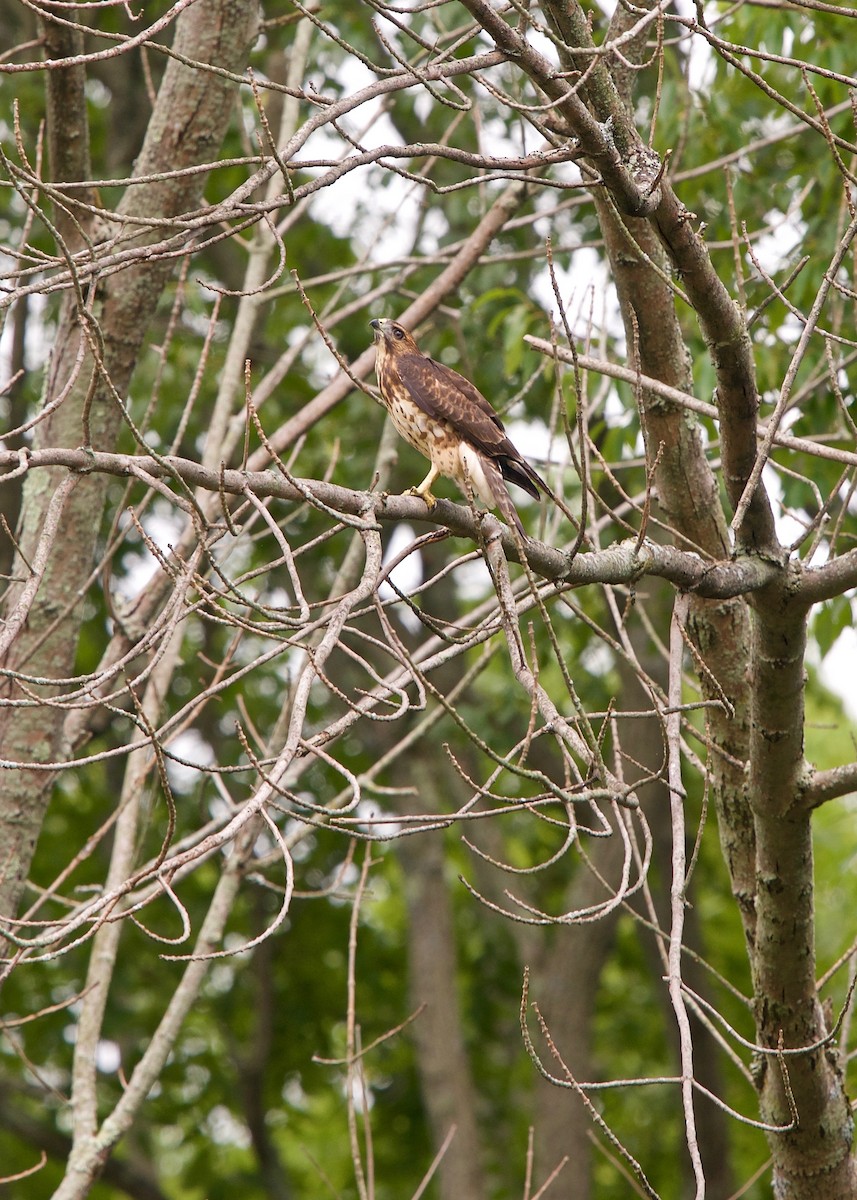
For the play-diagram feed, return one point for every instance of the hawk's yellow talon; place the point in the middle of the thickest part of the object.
(430, 500)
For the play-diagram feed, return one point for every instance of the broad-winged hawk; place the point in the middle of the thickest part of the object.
(448, 420)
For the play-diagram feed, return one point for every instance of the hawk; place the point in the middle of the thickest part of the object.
(448, 420)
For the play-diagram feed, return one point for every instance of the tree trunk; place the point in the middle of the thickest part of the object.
(443, 1060)
(94, 356)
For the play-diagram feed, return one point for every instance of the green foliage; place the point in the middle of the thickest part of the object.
(830, 620)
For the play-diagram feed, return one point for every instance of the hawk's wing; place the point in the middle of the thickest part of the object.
(441, 392)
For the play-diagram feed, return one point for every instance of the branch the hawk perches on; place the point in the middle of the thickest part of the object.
(448, 420)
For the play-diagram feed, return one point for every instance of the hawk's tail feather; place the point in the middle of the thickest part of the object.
(495, 476)
(519, 472)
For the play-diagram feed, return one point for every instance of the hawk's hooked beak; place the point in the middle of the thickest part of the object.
(390, 332)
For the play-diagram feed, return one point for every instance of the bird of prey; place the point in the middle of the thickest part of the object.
(448, 420)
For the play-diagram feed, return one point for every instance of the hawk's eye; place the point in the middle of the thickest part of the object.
(398, 333)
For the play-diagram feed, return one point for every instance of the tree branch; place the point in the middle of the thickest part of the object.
(685, 400)
(623, 563)
(638, 190)
(831, 784)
